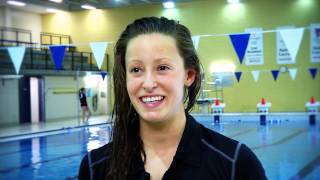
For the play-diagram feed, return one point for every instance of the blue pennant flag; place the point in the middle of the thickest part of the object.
(238, 75)
(57, 53)
(240, 43)
(275, 74)
(103, 74)
(313, 72)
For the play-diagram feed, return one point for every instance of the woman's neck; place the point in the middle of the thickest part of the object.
(164, 134)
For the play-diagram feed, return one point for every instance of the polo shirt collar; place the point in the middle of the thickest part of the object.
(188, 151)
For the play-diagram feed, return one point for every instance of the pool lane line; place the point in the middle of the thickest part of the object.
(307, 169)
(240, 133)
(62, 130)
(281, 141)
(54, 145)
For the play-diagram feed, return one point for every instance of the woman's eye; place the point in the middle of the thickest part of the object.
(163, 68)
(135, 70)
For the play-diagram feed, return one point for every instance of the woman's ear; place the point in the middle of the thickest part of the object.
(190, 77)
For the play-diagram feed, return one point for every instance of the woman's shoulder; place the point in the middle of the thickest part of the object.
(100, 154)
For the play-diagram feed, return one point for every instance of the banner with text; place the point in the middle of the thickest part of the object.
(254, 53)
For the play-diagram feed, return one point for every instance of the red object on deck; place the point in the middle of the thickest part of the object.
(217, 102)
(312, 100)
(263, 101)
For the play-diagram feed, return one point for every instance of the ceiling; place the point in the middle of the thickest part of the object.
(39, 6)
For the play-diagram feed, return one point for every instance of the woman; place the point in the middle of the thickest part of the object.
(154, 137)
(84, 106)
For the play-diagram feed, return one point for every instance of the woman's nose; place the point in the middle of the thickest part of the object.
(149, 83)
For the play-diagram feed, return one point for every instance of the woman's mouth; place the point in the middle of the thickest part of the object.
(152, 101)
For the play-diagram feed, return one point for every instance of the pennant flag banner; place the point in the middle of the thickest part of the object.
(240, 43)
(238, 75)
(99, 49)
(16, 55)
(292, 39)
(195, 40)
(275, 74)
(255, 75)
(293, 73)
(313, 72)
(103, 74)
(57, 53)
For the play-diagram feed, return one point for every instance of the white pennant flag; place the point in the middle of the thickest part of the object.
(16, 54)
(292, 39)
(195, 40)
(99, 49)
(255, 75)
(293, 73)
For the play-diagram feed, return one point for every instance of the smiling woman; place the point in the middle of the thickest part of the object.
(156, 80)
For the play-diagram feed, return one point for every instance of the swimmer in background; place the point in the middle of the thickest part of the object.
(86, 113)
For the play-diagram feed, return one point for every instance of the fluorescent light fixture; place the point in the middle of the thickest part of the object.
(168, 4)
(16, 3)
(51, 10)
(56, 1)
(86, 6)
(233, 1)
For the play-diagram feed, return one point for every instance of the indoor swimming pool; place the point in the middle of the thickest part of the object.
(287, 149)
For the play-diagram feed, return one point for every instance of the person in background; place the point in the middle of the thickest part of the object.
(86, 113)
(156, 80)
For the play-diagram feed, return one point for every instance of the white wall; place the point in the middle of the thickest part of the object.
(10, 17)
(9, 101)
(61, 105)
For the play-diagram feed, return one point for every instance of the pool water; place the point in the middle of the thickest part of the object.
(287, 149)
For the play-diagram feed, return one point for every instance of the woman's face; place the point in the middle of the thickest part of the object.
(156, 77)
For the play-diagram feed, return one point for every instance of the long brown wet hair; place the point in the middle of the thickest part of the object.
(126, 141)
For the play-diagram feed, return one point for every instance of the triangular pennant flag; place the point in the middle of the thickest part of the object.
(238, 75)
(292, 39)
(99, 49)
(57, 53)
(313, 72)
(240, 43)
(275, 74)
(16, 55)
(293, 73)
(255, 75)
(195, 40)
(103, 74)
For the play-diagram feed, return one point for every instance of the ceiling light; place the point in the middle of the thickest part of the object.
(16, 3)
(233, 1)
(86, 6)
(56, 1)
(168, 4)
(51, 10)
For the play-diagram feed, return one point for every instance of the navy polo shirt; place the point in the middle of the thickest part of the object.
(201, 154)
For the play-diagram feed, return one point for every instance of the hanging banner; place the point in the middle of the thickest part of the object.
(255, 75)
(99, 49)
(195, 40)
(16, 54)
(293, 73)
(240, 43)
(57, 54)
(238, 75)
(254, 53)
(315, 43)
(313, 72)
(103, 74)
(283, 54)
(292, 39)
(275, 74)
